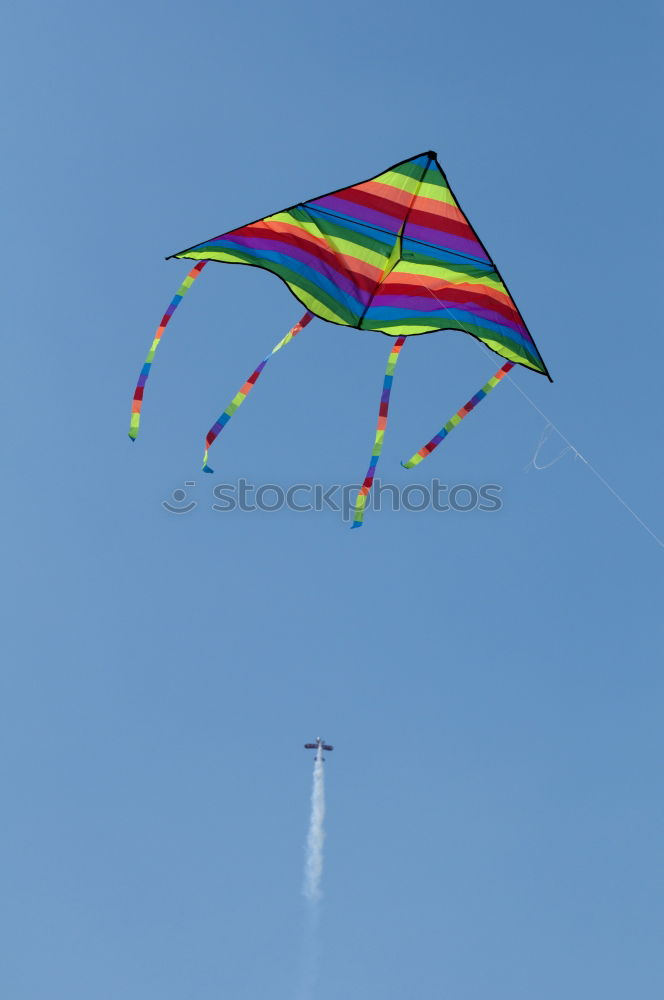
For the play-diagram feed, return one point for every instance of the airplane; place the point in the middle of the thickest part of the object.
(318, 746)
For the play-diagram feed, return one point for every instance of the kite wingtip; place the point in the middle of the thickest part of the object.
(132, 437)
(356, 524)
(206, 468)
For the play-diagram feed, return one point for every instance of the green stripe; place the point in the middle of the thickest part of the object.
(412, 168)
(421, 265)
(341, 231)
(311, 295)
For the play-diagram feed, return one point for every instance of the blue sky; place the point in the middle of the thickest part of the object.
(491, 681)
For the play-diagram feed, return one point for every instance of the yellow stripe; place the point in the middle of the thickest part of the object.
(153, 348)
(454, 277)
(436, 190)
(393, 179)
(315, 305)
(347, 247)
(505, 352)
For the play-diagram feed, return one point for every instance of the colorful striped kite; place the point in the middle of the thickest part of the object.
(395, 255)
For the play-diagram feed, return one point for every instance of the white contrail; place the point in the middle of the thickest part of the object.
(311, 888)
(313, 866)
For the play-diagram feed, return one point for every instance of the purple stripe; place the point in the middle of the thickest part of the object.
(447, 241)
(287, 250)
(333, 204)
(430, 306)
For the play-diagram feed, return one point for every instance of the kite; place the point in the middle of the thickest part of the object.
(393, 255)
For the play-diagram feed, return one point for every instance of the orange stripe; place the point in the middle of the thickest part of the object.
(433, 207)
(384, 190)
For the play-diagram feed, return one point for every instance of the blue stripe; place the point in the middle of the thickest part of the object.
(388, 314)
(412, 252)
(354, 305)
(380, 236)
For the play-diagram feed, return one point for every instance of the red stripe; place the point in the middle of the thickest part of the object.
(364, 199)
(495, 299)
(303, 240)
(450, 294)
(441, 224)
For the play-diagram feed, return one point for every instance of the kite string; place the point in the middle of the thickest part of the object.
(137, 402)
(589, 465)
(365, 489)
(544, 437)
(577, 453)
(239, 397)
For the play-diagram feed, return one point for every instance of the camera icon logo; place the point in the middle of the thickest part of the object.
(179, 496)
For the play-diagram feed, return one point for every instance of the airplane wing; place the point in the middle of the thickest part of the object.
(326, 746)
(310, 746)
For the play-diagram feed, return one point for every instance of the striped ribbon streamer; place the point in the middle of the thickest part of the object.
(240, 397)
(361, 500)
(458, 417)
(145, 370)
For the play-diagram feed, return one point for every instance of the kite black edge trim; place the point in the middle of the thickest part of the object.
(325, 194)
(476, 235)
(432, 156)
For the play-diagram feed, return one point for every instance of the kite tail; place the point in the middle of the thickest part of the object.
(458, 417)
(145, 371)
(240, 397)
(365, 489)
